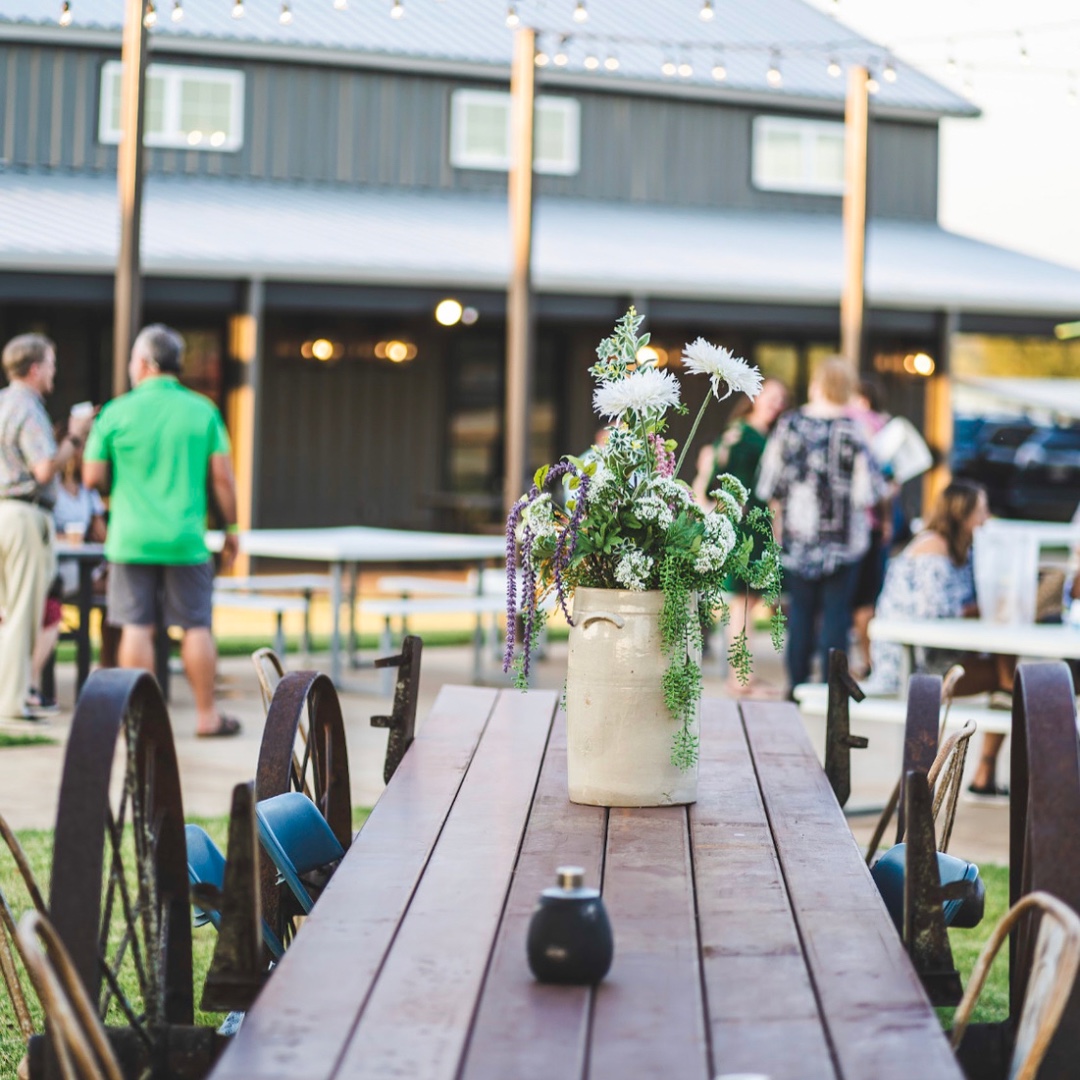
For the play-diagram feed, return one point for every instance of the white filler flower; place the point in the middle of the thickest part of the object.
(722, 366)
(645, 391)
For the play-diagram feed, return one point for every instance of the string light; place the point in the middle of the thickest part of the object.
(686, 69)
(177, 10)
(238, 9)
(612, 62)
(541, 59)
(872, 85)
(561, 59)
(834, 69)
(340, 5)
(512, 17)
(65, 13)
(1025, 58)
(773, 76)
(668, 67)
(580, 14)
(888, 72)
(706, 12)
(719, 69)
(397, 11)
(286, 14)
(150, 17)
(591, 61)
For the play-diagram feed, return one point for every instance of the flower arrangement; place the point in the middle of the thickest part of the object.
(618, 517)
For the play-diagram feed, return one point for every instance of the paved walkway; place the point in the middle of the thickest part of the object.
(30, 776)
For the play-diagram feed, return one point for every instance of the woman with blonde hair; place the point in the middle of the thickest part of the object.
(932, 578)
(819, 477)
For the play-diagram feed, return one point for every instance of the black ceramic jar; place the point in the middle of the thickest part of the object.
(570, 938)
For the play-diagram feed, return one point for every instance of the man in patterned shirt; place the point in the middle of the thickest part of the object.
(29, 463)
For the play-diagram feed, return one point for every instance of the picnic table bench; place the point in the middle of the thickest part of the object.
(749, 936)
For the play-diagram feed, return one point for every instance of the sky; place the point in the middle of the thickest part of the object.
(1011, 177)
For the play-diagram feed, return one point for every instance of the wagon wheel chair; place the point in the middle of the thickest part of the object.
(119, 897)
(303, 749)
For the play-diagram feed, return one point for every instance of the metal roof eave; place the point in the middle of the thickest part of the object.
(398, 62)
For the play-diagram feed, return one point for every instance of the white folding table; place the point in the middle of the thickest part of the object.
(354, 546)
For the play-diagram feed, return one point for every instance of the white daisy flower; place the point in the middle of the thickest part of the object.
(633, 569)
(722, 366)
(645, 391)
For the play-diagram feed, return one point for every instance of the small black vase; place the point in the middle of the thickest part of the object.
(570, 938)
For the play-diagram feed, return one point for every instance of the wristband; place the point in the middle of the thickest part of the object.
(232, 530)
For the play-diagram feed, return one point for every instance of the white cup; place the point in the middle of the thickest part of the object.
(82, 411)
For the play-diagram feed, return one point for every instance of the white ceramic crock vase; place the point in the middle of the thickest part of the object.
(619, 731)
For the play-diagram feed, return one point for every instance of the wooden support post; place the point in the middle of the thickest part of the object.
(243, 409)
(127, 305)
(856, 135)
(519, 314)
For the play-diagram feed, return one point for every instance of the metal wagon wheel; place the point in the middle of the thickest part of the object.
(303, 749)
(119, 895)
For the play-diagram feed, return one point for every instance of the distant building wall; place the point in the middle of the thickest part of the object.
(349, 126)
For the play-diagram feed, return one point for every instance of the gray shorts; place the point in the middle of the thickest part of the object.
(134, 590)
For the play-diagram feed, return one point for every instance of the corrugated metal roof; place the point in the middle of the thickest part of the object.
(641, 34)
(239, 229)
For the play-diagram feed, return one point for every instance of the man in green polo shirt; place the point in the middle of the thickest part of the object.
(156, 452)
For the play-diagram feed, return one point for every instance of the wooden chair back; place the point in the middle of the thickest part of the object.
(8, 933)
(81, 1045)
(939, 758)
(270, 671)
(1055, 960)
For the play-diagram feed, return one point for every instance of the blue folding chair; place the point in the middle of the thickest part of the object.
(888, 875)
(206, 866)
(298, 840)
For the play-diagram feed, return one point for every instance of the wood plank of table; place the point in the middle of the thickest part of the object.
(302, 1020)
(879, 1019)
(417, 1019)
(526, 1029)
(648, 1015)
(762, 1010)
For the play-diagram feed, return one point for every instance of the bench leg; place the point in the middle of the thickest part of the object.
(279, 634)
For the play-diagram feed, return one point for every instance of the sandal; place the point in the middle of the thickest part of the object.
(227, 725)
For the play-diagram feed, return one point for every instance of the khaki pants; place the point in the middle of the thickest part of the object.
(27, 566)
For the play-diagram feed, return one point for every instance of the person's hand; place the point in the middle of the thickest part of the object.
(229, 550)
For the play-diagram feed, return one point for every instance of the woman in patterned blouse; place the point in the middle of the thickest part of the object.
(932, 579)
(819, 478)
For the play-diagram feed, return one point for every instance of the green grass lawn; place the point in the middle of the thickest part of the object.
(38, 846)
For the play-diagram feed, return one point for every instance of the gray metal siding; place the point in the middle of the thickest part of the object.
(337, 125)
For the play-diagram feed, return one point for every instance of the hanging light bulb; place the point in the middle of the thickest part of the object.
(611, 63)
(580, 14)
(561, 57)
(686, 69)
(706, 12)
(719, 68)
(65, 13)
(1025, 57)
(340, 5)
(888, 72)
(591, 61)
(286, 13)
(150, 16)
(238, 9)
(773, 76)
(512, 17)
(834, 69)
(397, 11)
(669, 67)
(177, 10)
(872, 85)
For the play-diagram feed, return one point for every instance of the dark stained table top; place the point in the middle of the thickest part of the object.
(749, 937)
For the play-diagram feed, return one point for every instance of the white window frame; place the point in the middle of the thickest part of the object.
(808, 132)
(172, 137)
(461, 157)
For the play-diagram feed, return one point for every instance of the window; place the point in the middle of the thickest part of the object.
(798, 155)
(480, 132)
(188, 107)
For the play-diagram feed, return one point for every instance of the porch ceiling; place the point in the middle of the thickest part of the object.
(228, 229)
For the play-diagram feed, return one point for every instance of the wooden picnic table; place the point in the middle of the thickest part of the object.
(749, 936)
